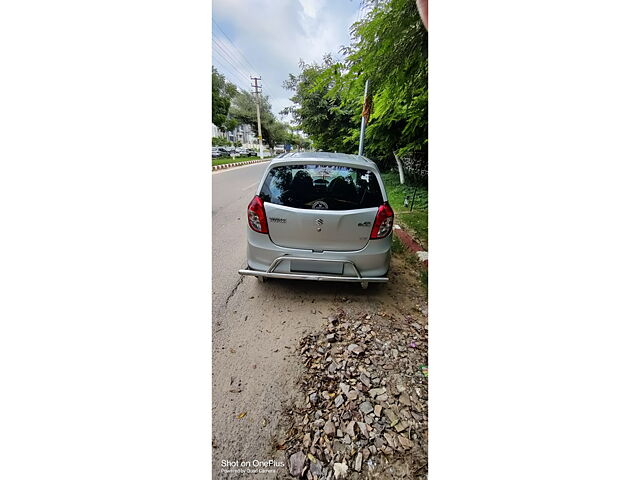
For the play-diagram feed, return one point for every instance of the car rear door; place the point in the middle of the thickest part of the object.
(321, 207)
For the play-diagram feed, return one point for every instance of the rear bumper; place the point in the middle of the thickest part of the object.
(271, 271)
(264, 258)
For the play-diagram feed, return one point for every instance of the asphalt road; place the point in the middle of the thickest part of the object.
(233, 189)
(256, 327)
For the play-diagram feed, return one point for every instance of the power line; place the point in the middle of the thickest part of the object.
(266, 85)
(241, 67)
(230, 76)
(233, 51)
(241, 73)
(233, 60)
(234, 45)
(220, 54)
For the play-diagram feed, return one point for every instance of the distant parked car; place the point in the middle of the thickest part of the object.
(218, 152)
(320, 216)
(252, 153)
(229, 150)
(279, 149)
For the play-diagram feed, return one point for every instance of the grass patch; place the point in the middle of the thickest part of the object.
(225, 160)
(416, 220)
(399, 250)
(397, 246)
(424, 279)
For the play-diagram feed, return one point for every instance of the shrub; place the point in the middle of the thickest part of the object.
(220, 142)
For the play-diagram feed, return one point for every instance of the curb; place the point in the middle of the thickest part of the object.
(412, 245)
(248, 162)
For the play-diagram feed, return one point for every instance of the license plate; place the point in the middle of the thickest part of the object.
(316, 267)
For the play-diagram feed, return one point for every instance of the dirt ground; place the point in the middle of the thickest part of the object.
(257, 365)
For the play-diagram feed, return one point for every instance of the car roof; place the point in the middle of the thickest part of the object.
(355, 161)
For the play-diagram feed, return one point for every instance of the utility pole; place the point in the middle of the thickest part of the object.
(257, 90)
(363, 121)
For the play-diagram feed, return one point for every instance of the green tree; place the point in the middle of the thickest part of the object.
(243, 111)
(276, 131)
(389, 48)
(221, 94)
(321, 110)
(229, 124)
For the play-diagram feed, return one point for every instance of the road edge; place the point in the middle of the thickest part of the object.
(413, 246)
(237, 164)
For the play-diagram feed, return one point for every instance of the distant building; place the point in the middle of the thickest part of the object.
(242, 133)
(215, 131)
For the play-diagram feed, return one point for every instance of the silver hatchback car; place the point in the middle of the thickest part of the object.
(320, 216)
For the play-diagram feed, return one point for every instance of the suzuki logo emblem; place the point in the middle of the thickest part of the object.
(319, 221)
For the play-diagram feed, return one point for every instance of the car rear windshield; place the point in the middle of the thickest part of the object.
(325, 187)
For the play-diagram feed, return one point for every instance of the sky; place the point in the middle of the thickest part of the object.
(268, 38)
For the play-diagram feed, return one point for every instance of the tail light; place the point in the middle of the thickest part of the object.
(257, 216)
(383, 222)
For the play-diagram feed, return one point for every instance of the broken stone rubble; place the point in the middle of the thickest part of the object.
(363, 407)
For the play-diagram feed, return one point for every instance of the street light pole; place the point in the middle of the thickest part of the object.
(363, 121)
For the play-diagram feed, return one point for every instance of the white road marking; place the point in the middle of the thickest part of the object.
(250, 186)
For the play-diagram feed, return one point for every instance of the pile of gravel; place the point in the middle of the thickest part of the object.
(363, 414)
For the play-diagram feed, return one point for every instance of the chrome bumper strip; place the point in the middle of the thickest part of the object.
(270, 273)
